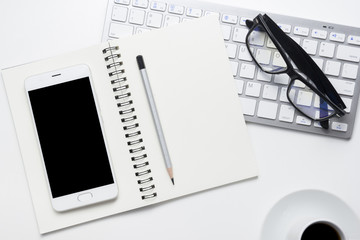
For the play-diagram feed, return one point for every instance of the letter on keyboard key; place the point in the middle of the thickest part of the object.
(253, 89)
(154, 20)
(240, 35)
(286, 113)
(350, 71)
(248, 106)
(343, 87)
(267, 109)
(247, 70)
(137, 16)
(348, 53)
(119, 30)
(119, 13)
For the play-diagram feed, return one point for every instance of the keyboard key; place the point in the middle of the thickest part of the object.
(301, 31)
(141, 3)
(194, 12)
(321, 34)
(296, 39)
(176, 9)
(257, 38)
(248, 106)
(285, 27)
(310, 46)
(350, 71)
(278, 60)
(247, 70)
(226, 30)
(270, 92)
(231, 49)
(332, 68)
(227, 18)
(263, 56)
(239, 85)
(119, 30)
(123, 2)
(267, 109)
(269, 43)
(316, 104)
(253, 89)
(283, 94)
(343, 87)
(243, 20)
(240, 35)
(137, 16)
(212, 13)
(281, 79)
(304, 98)
(263, 76)
(154, 19)
(319, 62)
(286, 113)
(119, 13)
(327, 49)
(140, 30)
(355, 40)
(158, 6)
(302, 120)
(337, 126)
(337, 37)
(347, 102)
(171, 20)
(244, 53)
(234, 67)
(348, 53)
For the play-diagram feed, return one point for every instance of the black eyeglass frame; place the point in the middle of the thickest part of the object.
(326, 88)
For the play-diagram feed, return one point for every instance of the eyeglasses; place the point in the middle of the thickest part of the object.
(309, 90)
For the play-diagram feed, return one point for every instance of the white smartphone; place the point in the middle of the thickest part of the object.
(71, 138)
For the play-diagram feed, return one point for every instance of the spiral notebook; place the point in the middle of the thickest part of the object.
(197, 103)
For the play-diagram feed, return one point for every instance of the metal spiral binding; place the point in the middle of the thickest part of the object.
(128, 118)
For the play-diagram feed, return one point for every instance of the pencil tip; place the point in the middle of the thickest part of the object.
(172, 179)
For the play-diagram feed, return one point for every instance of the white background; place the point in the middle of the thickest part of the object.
(289, 161)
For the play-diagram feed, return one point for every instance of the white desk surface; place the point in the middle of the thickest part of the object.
(289, 161)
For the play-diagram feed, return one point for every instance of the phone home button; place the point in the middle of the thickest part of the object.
(85, 197)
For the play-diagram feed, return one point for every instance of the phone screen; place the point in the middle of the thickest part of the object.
(70, 137)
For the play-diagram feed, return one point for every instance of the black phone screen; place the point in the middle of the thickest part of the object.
(70, 136)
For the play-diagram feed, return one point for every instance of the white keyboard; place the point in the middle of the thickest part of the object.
(335, 48)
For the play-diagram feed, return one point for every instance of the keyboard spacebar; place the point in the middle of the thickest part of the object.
(119, 30)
